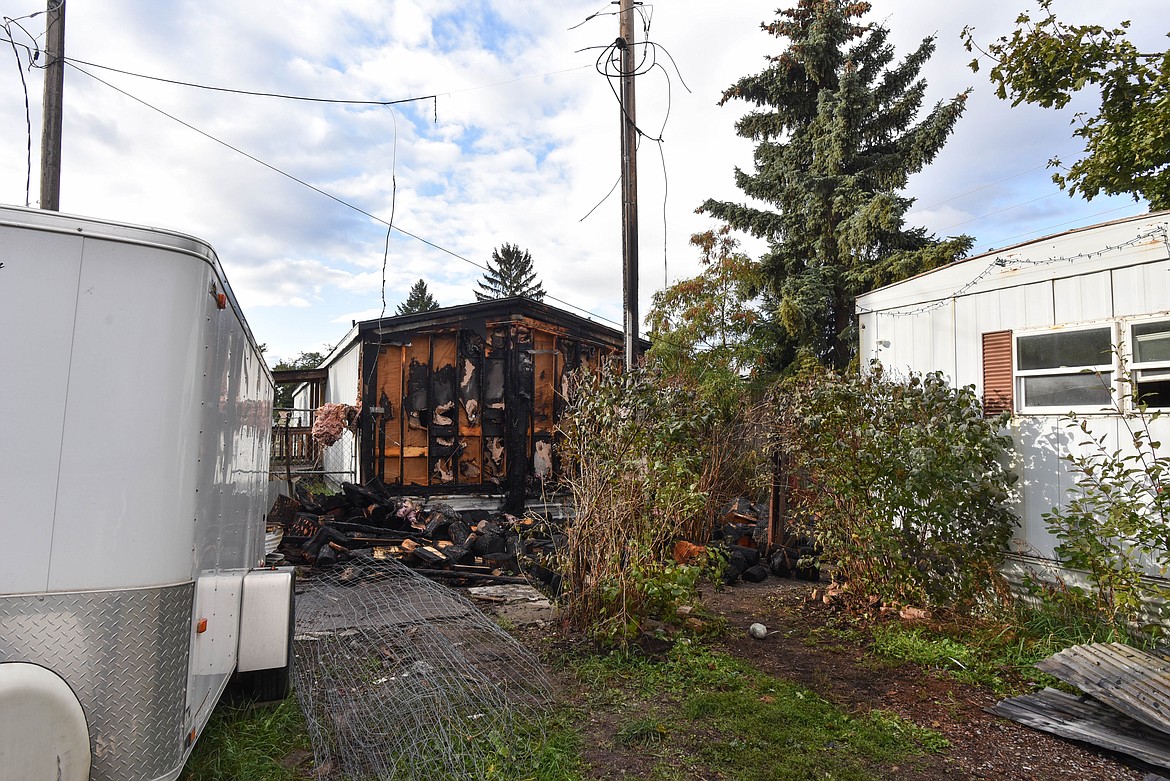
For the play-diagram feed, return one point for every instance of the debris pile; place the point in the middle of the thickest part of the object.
(472, 546)
(742, 532)
(1125, 706)
(480, 546)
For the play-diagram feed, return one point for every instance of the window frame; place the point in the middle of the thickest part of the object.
(1135, 367)
(1112, 367)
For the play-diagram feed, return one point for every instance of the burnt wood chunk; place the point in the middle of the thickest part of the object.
(756, 574)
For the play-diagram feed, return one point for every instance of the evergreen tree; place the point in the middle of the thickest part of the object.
(419, 299)
(509, 273)
(837, 136)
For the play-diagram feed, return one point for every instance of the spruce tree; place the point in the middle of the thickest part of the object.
(509, 273)
(419, 299)
(838, 133)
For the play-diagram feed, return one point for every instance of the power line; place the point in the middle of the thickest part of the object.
(27, 112)
(921, 209)
(304, 98)
(314, 188)
(1001, 211)
(1066, 222)
(283, 96)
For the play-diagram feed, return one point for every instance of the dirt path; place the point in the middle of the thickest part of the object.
(983, 746)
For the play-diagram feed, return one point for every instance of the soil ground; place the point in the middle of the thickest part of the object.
(982, 746)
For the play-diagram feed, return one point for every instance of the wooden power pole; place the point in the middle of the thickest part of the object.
(629, 183)
(53, 105)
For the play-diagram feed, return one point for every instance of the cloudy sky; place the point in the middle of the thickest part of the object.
(519, 145)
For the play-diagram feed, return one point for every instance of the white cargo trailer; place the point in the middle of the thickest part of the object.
(135, 408)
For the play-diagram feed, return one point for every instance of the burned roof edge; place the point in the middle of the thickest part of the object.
(499, 307)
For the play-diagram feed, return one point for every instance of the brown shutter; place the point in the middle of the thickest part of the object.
(997, 372)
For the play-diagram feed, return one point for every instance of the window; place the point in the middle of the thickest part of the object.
(1150, 362)
(1067, 369)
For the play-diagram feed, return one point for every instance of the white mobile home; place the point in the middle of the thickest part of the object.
(1022, 324)
(136, 411)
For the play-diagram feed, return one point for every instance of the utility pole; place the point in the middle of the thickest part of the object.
(629, 135)
(53, 105)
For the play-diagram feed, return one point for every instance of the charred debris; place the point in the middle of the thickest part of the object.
(478, 546)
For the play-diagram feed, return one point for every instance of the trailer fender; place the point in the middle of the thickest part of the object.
(43, 731)
(265, 620)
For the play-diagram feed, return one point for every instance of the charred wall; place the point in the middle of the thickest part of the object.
(468, 407)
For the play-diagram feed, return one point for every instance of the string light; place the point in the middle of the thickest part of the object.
(1014, 262)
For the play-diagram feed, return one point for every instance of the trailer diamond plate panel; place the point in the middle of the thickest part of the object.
(124, 654)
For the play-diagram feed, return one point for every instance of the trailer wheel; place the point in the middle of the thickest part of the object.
(271, 685)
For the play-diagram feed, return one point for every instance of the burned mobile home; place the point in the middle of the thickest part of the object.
(458, 400)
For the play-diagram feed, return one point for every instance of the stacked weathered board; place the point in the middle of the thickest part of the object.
(1125, 708)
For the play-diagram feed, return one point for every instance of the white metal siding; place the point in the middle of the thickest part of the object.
(39, 283)
(1144, 289)
(125, 501)
(1082, 298)
(343, 387)
(1104, 281)
(345, 377)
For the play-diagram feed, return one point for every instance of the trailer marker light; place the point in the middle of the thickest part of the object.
(201, 626)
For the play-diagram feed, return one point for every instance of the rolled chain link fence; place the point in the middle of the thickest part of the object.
(402, 678)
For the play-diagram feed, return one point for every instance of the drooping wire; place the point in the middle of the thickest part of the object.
(27, 111)
(603, 200)
(594, 15)
(313, 99)
(325, 193)
(393, 203)
(609, 63)
(305, 98)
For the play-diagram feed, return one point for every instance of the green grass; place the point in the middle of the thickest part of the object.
(699, 712)
(714, 712)
(999, 655)
(642, 731)
(250, 742)
(245, 741)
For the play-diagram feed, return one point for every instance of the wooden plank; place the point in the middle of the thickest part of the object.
(394, 452)
(416, 420)
(1128, 679)
(443, 379)
(471, 460)
(544, 381)
(1088, 721)
(416, 471)
(389, 382)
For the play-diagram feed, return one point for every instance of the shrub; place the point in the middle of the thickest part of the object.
(906, 483)
(635, 457)
(1116, 523)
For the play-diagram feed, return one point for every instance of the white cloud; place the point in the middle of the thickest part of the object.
(522, 161)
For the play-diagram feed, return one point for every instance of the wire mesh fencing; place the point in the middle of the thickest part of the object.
(402, 678)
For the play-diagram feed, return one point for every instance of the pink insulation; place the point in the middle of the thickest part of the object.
(331, 421)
